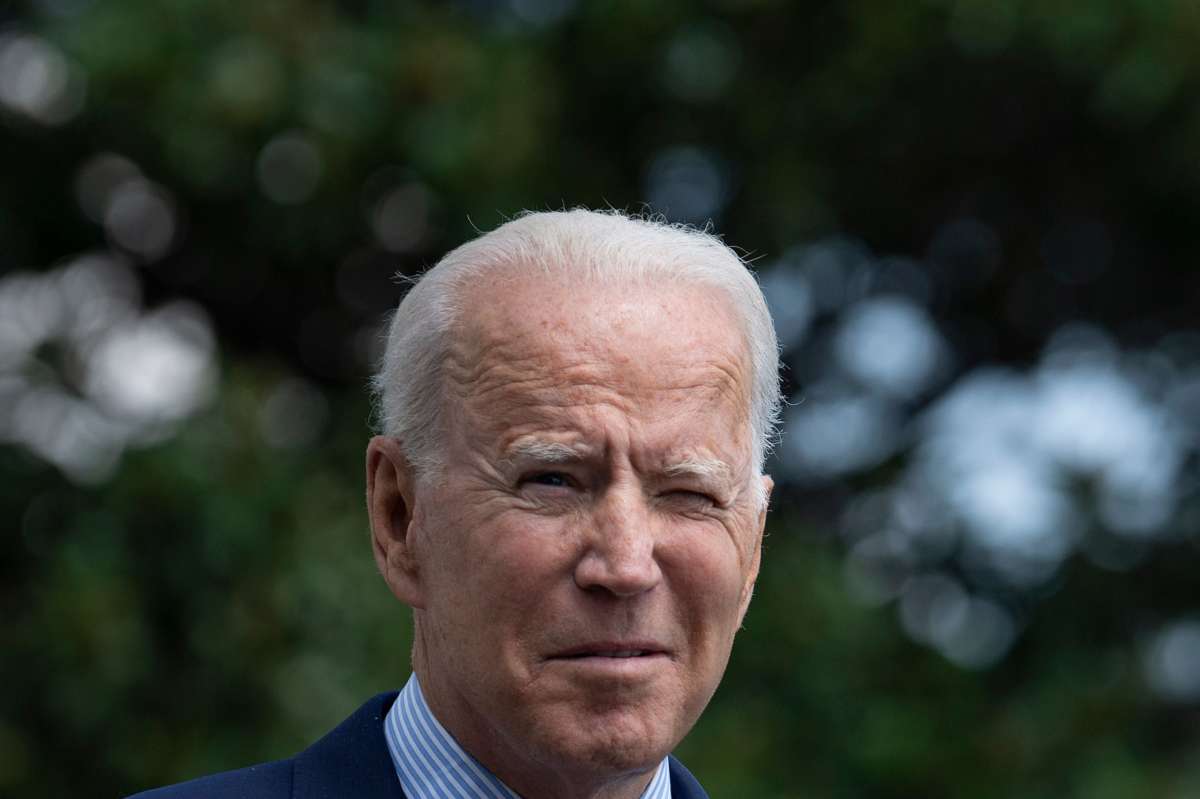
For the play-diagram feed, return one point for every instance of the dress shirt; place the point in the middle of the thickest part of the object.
(431, 764)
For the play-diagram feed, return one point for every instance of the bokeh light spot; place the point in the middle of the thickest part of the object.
(701, 62)
(890, 345)
(294, 415)
(140, 218)
(289, 168)
(158, 368)
(834, 430)
(687, 184)
(38, 81)
(400, 219)
(1172, 662)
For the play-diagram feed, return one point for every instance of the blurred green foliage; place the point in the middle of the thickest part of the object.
(214, 603)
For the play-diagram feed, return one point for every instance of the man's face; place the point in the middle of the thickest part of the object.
(581, 566)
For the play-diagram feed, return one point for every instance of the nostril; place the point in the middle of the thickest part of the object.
(617, 575)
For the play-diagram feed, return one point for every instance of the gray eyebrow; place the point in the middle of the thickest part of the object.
(698, 467)
(545, 451)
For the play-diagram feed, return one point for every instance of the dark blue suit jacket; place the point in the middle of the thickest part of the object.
(352, 762)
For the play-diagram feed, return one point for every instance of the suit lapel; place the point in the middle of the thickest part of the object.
(683, 784)
(352, 760)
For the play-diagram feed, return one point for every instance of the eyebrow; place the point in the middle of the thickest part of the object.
(542, 451)
(698, 467)
(545, 451)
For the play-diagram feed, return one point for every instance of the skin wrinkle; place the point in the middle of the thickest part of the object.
(537, 389)
(671, 465)
(511, 572)
(468, 366)
(536, 451)
(585, 252)
(477, 383)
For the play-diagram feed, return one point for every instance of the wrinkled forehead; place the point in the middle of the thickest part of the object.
(644, 334)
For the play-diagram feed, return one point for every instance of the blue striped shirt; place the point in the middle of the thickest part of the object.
(431, 764)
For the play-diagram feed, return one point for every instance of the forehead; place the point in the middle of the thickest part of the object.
(658, 351)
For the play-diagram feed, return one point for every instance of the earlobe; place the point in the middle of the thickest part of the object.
(390, 506)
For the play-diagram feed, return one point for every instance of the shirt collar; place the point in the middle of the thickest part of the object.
(431, 765)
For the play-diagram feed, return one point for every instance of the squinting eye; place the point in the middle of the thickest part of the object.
(552, 479)
(695, 497)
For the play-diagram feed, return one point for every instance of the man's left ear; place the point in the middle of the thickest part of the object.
(391, 503)
(756, 556)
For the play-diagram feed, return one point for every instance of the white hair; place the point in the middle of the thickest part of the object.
(605, 247)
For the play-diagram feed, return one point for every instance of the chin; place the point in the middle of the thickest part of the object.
(617, 743)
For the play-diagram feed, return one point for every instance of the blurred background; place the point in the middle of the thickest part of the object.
(976, 222)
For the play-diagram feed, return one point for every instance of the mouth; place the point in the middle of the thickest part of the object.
(612, 651)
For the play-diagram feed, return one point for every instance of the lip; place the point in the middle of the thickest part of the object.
(617, 651)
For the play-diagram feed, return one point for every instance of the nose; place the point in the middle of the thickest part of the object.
(619, 557)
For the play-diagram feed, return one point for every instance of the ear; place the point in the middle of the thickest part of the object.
(756, 555)
(390, 502)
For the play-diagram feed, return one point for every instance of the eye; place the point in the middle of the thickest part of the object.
(551, 479)
(692, 498)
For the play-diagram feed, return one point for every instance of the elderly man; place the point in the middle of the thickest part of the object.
(569, 494)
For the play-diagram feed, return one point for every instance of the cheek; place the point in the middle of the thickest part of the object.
(707, 575)
(453, 567)
(498, 568)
